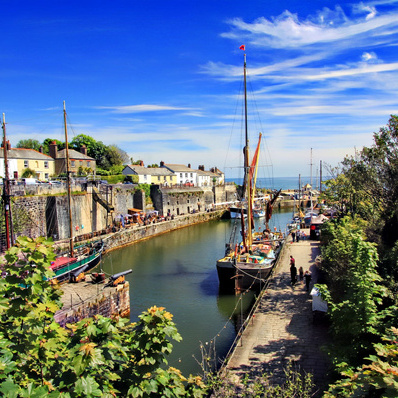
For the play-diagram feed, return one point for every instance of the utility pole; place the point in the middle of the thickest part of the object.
(6, 190)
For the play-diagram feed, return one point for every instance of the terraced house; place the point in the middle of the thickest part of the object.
(151, 175)
(20, 159)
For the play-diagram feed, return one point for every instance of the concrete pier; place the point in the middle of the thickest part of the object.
(282, 329)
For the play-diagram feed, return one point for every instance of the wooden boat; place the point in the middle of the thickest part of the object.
(69, 268)
(82, 259)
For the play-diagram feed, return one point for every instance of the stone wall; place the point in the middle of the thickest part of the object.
(109, 303)
(186, 200)
(48, 215)
(225, 193)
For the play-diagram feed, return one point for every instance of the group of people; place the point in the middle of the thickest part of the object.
(306, 276)
(297, 235)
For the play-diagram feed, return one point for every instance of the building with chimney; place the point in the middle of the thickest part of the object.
(77, 160)
(185, 175)
(20, 159)
(151, 175)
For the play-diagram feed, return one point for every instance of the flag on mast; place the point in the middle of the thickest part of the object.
(242, 47)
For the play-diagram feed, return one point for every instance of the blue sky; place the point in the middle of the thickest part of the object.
(163, 79)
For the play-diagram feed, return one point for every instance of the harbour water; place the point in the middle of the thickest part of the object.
(177, 271)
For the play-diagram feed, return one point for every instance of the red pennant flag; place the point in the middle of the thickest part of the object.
(242, 47)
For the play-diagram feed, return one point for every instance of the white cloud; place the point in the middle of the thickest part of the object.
(142, 108)
(287, 31)
(366, 56)
(368, 9)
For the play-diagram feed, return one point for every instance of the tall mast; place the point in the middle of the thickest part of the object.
(320, 176)
(247, 184)
(68, 185)
(6, 190)
(311, 169)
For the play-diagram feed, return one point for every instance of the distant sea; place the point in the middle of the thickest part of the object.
(280, 182)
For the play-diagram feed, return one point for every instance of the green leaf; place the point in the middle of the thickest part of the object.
(88, 386)
(9, 389)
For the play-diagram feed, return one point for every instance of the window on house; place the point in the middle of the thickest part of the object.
(88, 163)
(46, 175)
(26, 164)
(73, 163)
(145, 176)
(164, 178)
(81, 163)
(158, 178)
(191, 175)
(186, 175)
(46, 164)
(37, 164)
(180, 175)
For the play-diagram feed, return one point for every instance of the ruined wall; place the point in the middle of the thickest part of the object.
(179, 201)
(108, 303)
(225, 193)
(49, 215)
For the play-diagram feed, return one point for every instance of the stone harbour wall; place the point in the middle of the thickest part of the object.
(108, 302)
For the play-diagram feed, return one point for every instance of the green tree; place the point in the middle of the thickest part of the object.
(114, 156)
(354, 293)
(29, 144)
(96, 357)
(95, 149)
(376, 378)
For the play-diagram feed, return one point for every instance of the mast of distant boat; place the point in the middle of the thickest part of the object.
(68, 183)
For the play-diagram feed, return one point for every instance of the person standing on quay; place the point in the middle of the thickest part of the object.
(293, 270)
(293, 237)
(307, 277)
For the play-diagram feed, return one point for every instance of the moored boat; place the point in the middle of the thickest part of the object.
(69, 268)
(249, 263)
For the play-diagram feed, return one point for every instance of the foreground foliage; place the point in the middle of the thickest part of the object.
(97, 357)
(297, 384)
(360, 258)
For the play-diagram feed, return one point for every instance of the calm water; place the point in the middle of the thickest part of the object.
(177, 270)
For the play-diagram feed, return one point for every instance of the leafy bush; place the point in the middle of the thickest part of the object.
(115, 179)
(27, 173)
(96, 357)
(102, 172)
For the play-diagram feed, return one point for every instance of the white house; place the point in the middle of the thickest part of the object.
(143, 173)
(185, 175)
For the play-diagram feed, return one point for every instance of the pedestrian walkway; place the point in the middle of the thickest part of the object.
(282, 329)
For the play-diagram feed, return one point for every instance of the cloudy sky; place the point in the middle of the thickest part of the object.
(163, 79)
